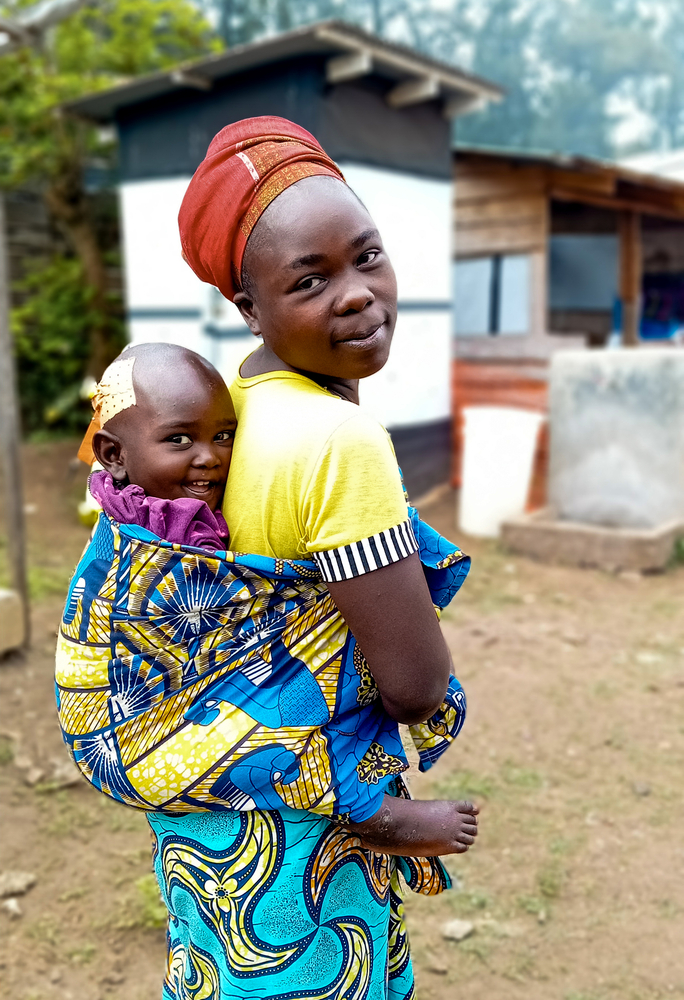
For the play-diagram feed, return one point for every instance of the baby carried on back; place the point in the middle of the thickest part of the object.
(190, 677)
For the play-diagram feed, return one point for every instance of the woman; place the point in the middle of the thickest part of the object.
(282, 903)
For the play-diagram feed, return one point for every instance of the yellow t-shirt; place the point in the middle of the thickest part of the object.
(312, 473)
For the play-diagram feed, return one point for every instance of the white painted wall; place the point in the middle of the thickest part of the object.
(157, 279)
(156, 274)
(414, 216)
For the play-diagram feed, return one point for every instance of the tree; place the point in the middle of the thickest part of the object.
(567, 65)
(93, 49)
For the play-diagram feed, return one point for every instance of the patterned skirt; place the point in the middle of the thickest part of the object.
(278, 905)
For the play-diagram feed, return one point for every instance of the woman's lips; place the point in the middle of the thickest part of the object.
(365, 340)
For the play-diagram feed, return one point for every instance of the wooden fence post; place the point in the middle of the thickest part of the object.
(10, 439)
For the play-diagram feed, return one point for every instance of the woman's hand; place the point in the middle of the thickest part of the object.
(391, 615)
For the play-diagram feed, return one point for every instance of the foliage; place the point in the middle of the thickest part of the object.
(77, 332)
(51, 342)
(95, 48)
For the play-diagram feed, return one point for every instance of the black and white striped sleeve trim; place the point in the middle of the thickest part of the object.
(357, 558)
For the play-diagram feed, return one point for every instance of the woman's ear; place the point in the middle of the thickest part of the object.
(109, 452)
(249, 311)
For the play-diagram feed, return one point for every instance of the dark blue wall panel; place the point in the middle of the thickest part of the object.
(169, 136)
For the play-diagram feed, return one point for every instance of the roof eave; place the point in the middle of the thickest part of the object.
(459, 91)
(581, 164)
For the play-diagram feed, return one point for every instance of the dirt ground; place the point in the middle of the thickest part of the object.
(574, 747)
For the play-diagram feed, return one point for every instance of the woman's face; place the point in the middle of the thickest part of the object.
(325, 293)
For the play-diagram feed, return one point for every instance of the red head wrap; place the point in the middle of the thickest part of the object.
(247, 165)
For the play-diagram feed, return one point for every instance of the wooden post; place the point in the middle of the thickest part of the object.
(630, 276)
(10, 438)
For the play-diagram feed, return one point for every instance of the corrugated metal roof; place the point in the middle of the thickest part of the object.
(331, 38)
(580, 164)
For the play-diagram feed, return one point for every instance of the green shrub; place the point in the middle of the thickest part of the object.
(51, 331)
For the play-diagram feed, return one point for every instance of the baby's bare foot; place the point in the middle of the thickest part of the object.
(415, 828)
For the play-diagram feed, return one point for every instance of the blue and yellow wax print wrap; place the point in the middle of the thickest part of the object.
(192, 681)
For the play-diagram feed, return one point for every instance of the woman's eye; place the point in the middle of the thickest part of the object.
(180, 439)
(306, 284)
(368, 256)
(224, 436)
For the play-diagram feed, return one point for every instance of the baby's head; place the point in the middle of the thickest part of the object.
(167, 424)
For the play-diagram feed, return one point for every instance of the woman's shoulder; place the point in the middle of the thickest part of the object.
(293, 403)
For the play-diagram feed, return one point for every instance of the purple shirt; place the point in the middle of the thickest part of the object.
(184, 521)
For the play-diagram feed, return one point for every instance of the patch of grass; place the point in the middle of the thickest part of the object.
(153, 913)
(145, 910)
(83, 954)
(496, 600)
(550, 881)
(44, 581)
(468, 902)
(521, 969)
(70, 894)
(465, 785)
(533, 905)
(46, 930)
(668, 609)
(124, 820)
(521, 777)
(603, 690)
(6, 751)
(477, 948)
(668, 909)
(478, 900)
(62, 817)
(561, 846)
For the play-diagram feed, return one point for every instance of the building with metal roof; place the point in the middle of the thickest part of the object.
(384, 113)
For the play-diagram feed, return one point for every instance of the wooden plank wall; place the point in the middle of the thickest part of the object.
(499, 208)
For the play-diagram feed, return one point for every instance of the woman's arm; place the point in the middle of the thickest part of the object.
(390, 613)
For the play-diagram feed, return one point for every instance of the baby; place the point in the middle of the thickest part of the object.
(163, 432)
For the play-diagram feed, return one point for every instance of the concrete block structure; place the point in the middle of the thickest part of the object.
(11, 622)
(617, 437)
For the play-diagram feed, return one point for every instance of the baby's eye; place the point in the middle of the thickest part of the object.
(224, 436)
(306, 284)
(180, 439)
(368, 256)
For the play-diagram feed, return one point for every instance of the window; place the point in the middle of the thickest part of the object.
(583, 271)
(492, 295)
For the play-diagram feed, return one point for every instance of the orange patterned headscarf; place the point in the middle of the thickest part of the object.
(247, 165)
(113, 393)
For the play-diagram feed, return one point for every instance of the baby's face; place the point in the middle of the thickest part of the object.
(178, 444)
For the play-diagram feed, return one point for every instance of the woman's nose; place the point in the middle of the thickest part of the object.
(354, 296)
